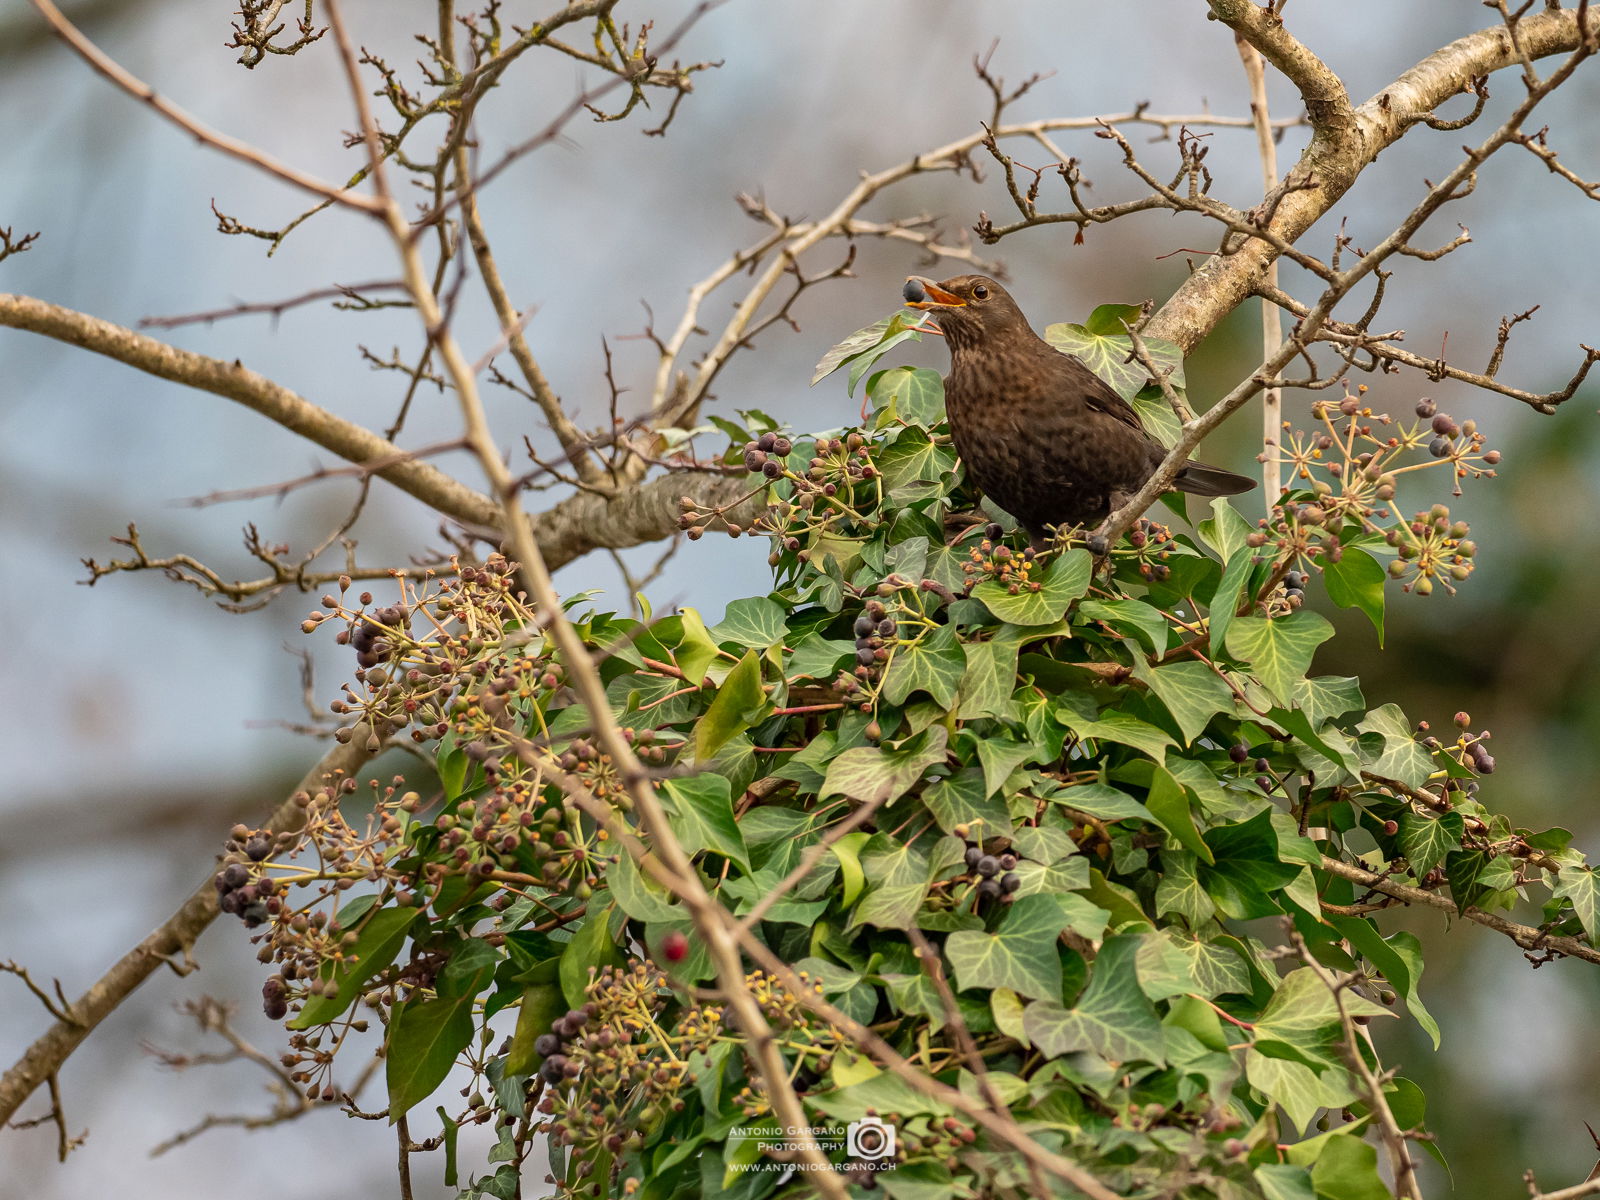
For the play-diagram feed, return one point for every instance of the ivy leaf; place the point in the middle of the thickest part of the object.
(1245, 870)
(1156, 415)
(1230, 589)
(423, 1042)
(1226, 531)
(1168, 803)
(700, 810)
(542, 1003)
(1132, 616)
(641, 898)
(1295, 1087)
(883, 773)
(1103, 345)
(915, 458)
(1192, 693)
(933, 664)
(913, 395)
(739, 703)
(378, 943)
(1425, 841)
(1578, 886)
(898, 873)
(1065, 580)
(1400, 757)
(1113, 1017)
(697, 651)
(1021, 956)
(990, 678)
(1356, 581)
(591, 946)
(1278, 649)
(1304, 1013)
(1328, 696)
(1347, 1169)
(1398, 959)
(965, 799)
(1112, 726)
(1283, 1181)
(817, 657)
(866, 346)
(756, 622)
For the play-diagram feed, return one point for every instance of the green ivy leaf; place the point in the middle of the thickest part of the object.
(1168, 803)
(1191, 691)
(913, 395)
(1132, 616)
(1347, 1169)
(1578, 886)
(1399, 757)
(1112, 726)
(1230, 590)
(990, 678)
(739, 703)
(897, 873)
(591, 946)
(1397, 958)
(1356, 581)
(1103, 345)
(914, 459)
(1113, 1017)
(934, 664)
(424, 1039)
(378, 943)
(1066, 580)
(1245, 870)
(542, 1003)
(1425, 841)
(884, 773)
(1278, 649)
(1328, 696)
(1282, 1181)
(756, 622)
(866, 346)
(1021, 956)
(700, 810)
(641, 898)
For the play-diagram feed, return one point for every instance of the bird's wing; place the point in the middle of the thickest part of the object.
(1099, 395)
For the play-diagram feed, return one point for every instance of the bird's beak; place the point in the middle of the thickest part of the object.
(929, 294)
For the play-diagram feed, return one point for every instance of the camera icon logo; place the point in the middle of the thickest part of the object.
(869, 1138)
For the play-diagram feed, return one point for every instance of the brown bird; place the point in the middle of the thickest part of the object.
(1046, 438)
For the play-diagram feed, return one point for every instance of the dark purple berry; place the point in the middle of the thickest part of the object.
(546, 1044)
(1239, 753)
(1010, 882)
(974, 855)
(988, 866)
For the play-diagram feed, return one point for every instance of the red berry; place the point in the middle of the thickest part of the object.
(674, 947)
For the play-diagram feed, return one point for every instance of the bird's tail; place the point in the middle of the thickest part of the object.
(1201, 479)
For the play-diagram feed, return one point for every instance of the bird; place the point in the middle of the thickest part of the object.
(1041, 434)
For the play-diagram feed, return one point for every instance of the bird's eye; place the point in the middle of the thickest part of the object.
(980, 292)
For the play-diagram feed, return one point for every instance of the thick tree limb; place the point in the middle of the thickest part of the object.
(173, 938)
(569, 529)
(235, 381)
(1341, 149)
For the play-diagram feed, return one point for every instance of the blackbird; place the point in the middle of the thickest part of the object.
(1046, 438)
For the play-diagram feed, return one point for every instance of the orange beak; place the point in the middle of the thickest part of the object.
(929, 294)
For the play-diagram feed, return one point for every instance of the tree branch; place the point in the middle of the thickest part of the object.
(1341, 150)
(174, 937)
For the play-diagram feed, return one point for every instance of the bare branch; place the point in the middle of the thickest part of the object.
(137, 88)
(174, 937)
